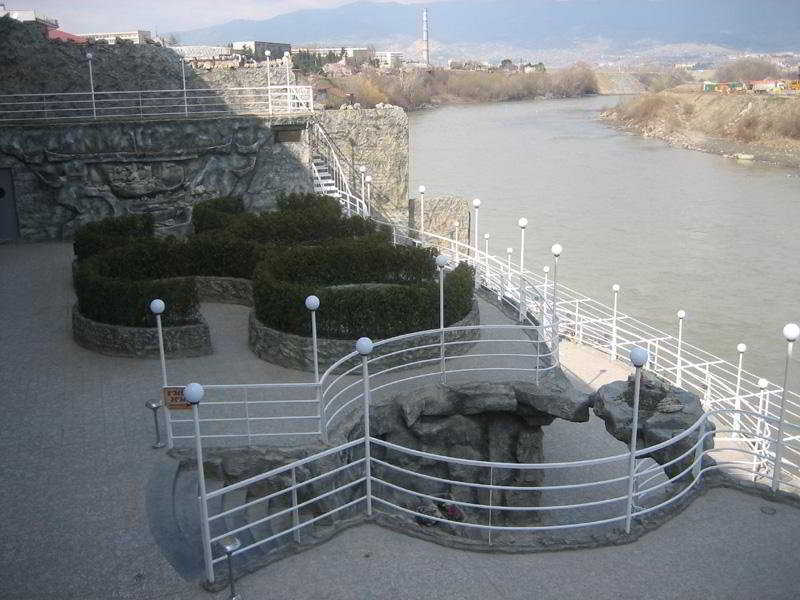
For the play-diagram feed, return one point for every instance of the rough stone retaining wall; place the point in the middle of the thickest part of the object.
(140, 342)
(227, 290)
(297, 352)
(65, 175)
(378, 139)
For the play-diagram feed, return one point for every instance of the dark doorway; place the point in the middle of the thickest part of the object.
(9, 226)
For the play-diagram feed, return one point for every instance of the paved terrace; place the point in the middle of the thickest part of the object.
(76, 462)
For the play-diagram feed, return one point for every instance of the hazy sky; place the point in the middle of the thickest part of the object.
(84, 16)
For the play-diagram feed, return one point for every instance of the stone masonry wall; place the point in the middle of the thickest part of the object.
(378, 139)
(66, 175)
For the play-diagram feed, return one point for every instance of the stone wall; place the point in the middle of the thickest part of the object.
(66, 175)
(297, 352)
(378, 139)
(140, 342)
(441, 215)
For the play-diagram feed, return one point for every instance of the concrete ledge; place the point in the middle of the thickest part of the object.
(140, 342)
(226, 290)
(296, 352)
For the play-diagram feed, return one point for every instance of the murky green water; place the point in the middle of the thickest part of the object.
(675, 228)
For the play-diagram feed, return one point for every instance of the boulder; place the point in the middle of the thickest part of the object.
(554, 395)
(664, 412)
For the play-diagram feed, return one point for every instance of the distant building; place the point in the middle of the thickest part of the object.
(137, 37)
(57, 34)
(258, 50)
(350, 53)
(202, 52)
(42, 22)
(389, 60)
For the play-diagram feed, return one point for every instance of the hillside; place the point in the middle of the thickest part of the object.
(535, 24)
(763, 126)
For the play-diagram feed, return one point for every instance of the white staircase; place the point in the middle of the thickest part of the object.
(324, 182)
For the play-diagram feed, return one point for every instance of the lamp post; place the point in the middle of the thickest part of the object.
(546, 271)
(791, 332)
(183, 80)
(509, 252)
(364, 347)
(154, 405)
(362, 170)
(288, 78)
(269, 84)
(615, 290)
(312, 304)
(421, 209)
(762, 429)
(486, 259)
(556, 250)
(193, 394)
(678, 373)
(231, 544)
(737, 417)
(639, 358)
(89, 58)
(368, 180)
(441, 263)
(157, 307)
(523, 223)
(476, 204)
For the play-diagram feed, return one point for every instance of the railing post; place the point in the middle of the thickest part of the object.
(491, 500)
(543, 309)
(698, 452)
(556, 251)
(737, 417)
(368, 200)
(295, 510)
(193, 393)
(157, 307)
(762, 427)
(269, 86)
(364, 347)
(615, 289)
(286, 58)
(679, 366)
(312, 304)
(509, 252)
(89, 57)
(441, 263)
(422, 212)
(791, 332)
(655, 358)
(183, 78)
(522, 223)
(476, 204)
(486, 277)
(456, 240)
(577, 309)
(638, 358)
(707, 392)
(247, 419)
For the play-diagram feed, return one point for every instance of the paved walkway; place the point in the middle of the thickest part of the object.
(76, 461)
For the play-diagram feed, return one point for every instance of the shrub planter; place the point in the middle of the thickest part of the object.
(140, 342)
(297, 352)
(227, 290)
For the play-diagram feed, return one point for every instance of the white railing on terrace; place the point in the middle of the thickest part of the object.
(147, 104)
(755, 421)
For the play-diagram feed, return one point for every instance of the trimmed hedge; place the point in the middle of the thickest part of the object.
(383, 291)
(215, 214)
(112, 232)
(117, 286)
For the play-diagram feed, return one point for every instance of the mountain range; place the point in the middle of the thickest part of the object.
(621, 25)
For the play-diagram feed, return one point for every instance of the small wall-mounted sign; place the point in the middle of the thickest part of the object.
(174, 400)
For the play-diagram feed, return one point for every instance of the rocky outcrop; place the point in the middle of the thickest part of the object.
(664, 412)
(497, 422)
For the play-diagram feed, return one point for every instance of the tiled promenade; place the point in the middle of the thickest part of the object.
(75, 464)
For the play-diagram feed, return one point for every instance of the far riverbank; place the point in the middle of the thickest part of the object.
(760, 128)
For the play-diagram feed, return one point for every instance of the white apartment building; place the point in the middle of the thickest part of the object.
(137, 37)
(390, 60)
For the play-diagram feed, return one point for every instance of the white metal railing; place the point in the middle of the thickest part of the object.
(145, 104)
(342, 172)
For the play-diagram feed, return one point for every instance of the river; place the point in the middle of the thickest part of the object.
(677, 229)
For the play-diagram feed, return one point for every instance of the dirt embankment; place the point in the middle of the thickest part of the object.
(764, 127)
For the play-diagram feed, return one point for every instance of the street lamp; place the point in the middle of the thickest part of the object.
(89, 58)
(639, 358)
(422, 209)
(556, 251)
(791, 332)
(441, 263)
(476, 204)
(522, 223)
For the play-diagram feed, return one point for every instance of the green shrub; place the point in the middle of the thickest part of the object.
(365, 287)
(222, 255)
(215, 214)
(117, 286)
(112, 232)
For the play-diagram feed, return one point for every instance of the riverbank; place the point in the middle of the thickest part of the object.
(418, 89)
(760, 128)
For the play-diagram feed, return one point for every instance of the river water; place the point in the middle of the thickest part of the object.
(677, 229)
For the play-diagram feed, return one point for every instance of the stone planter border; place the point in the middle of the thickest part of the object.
(296, 352)
(140, 342)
